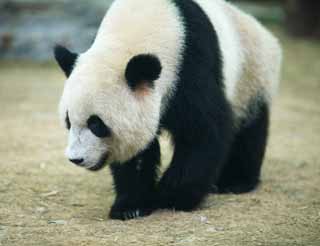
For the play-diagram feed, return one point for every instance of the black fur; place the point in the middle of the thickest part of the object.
(135, 184)
(242, 170)
(98, 127)
(67, 121)
(198, 116)
(144, 68)
(65, 59)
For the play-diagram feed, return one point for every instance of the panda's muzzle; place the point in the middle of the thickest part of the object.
(101, 163)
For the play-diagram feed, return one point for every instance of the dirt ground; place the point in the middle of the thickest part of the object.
(44, 200)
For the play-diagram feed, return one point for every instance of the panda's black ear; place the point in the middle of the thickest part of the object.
(65, 59)
(142, 70)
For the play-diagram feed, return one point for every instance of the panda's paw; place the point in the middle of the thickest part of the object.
(127, 208)
(129, 214)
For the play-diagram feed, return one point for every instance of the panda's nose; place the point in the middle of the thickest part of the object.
(76, 161)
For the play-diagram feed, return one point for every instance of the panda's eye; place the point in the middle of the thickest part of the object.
(67, 120)
(98, 128)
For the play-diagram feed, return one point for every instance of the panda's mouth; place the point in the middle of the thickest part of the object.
(101, 163)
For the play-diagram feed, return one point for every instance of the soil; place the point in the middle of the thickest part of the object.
(44, 200)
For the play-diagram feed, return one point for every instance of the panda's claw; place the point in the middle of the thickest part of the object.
(132, 214)
(128, 215)
(127, 209)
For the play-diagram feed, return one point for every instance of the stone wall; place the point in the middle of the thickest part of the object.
(30, 28)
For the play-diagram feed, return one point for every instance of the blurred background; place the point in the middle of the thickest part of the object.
(29, 28)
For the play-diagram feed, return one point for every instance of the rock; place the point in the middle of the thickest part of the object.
(51, 193)
(57, 222)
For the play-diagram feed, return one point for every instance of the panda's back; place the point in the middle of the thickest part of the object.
(251, 57)
(261, 63)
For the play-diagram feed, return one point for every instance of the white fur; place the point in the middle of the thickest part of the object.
(261, 63)
(251, 56)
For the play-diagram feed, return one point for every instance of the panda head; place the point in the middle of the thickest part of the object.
(110, 104)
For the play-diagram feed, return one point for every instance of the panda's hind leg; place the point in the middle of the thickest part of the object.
(241, 173)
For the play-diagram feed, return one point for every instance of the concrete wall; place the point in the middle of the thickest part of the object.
(30, 28)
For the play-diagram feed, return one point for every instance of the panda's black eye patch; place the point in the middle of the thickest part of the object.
(67, 120)
(98, 128)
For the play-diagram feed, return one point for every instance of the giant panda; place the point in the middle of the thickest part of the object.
(200, 69)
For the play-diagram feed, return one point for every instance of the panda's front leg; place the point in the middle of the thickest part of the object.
(191, 174)
(135, 184)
